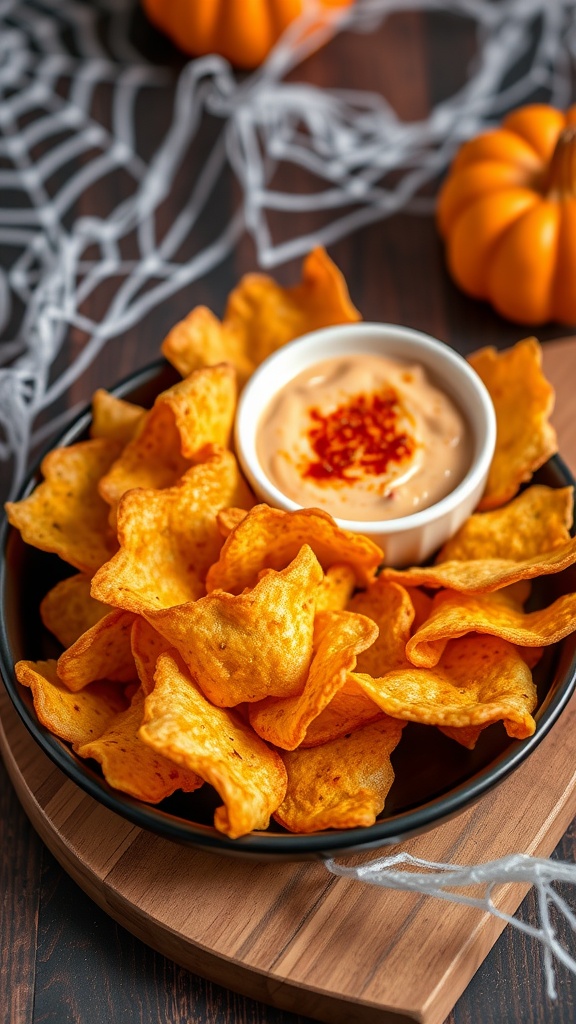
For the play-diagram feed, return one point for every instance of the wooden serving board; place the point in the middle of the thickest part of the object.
(291, 934)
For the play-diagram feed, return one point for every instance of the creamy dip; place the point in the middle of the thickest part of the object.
(365, 438)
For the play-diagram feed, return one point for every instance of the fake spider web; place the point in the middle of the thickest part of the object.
(56, 56)
(70, 85)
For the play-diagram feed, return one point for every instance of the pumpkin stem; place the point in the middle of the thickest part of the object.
(561, 178)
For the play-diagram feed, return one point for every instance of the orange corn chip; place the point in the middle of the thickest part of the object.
(168, 539)
(252, 645)
(114, 418)
(339, 637)
(348, 710)
(76, 717)
(181, 724)
(342, 784)
(531, 655)
(147, 646)
(484, 575)
(391, 608)
(537, 521)
(68, 610)
(228, 519)
(260, 317)
(422, 604)
(201, 339)
(198, 411)
(131, 689)
(516, 594)
(103, 652)
(467, 736)
(132, 766)
(523, 401)
(335, 589)
(478, 680)
(454, 615)
(65, 513)
(267, 538)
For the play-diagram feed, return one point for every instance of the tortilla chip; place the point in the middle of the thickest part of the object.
(484, 575)
(478, 680)
(391, 608)
(147, 646)
(132, 766)
(228, 519)
(249, 646)
(523, 401)
(260, 317)
(535, 522)
(103, 652)
(201, 339)
(531, 655)
(335, 589)
(348, 710)
(422, 604)
(338, 639)
(197, 412)
(68, 610)
(516, 594)
(169, 538)
(342, 784)
(76, 717)
(268, 538)
(453, 615)
(467, 736)
(181, 724)
(131, 689)
(65, 514)
(114, 418)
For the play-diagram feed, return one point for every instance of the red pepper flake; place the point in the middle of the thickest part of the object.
(360, 438)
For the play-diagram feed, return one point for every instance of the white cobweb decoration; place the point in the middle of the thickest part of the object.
(54, 57)
(59, 247)
(406, 873)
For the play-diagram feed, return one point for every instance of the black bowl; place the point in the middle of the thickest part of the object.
(436, 778)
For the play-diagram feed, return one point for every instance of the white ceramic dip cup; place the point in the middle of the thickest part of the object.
(411, 539)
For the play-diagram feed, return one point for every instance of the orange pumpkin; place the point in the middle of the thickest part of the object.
(243, 31)
(507, 211)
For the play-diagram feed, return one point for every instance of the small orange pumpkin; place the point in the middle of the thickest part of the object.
(507, 212)
(243, 31)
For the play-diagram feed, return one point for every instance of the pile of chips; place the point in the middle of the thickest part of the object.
(210, 640)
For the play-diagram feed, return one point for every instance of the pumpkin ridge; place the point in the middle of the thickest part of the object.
(472, 182)
(500, 144)
(455, 258)
(281, 14)
(539, 125)
(242, 31)
(508, 272)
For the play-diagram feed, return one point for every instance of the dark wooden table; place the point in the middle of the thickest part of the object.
(63, 960)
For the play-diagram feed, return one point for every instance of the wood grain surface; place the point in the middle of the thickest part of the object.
(292, 934)
(64, 959)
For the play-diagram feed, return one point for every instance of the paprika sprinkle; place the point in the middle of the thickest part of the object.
(360, 437)
(364, 437)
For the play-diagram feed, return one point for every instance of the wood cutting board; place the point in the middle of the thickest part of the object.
(292, 934)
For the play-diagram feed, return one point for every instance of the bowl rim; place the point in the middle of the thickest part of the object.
(255, 398)
(386, 831)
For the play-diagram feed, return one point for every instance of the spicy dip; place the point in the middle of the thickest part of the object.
(364, 437)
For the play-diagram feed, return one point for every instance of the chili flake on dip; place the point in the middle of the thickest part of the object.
(387, 429)
(364, 437)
